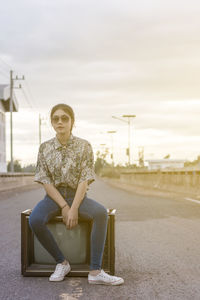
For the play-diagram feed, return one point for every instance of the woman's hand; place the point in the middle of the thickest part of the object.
(72, 218)
(65, 211)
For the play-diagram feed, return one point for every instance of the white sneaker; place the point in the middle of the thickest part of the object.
(60, 272)
(104, 278)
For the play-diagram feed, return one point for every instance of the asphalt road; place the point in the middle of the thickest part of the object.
(157, 249)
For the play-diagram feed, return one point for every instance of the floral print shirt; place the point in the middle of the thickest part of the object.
(65, 165)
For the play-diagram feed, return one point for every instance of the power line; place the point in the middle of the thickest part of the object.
(9, 66)
(4, 69)
(32, 102)
(31, 96)
(2, 72)
(26, 97)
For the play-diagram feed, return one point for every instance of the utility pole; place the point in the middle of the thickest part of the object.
(40, 126)
(11, 123)
(40, 123)
(11, 120)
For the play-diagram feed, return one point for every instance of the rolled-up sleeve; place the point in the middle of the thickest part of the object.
(87, 165)
(42, 174)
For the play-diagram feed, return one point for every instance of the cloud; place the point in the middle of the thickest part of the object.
(109, 58)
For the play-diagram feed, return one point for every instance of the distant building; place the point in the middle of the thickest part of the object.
(4, 107)
(160, 164)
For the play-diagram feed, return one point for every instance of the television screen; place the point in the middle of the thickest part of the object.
(73, 244)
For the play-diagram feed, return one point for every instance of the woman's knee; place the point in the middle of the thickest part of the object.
(36, 221)
(101, 213)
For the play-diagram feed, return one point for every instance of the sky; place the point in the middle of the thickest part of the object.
(105, 58)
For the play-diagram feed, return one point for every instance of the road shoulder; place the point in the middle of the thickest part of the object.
(142, 190)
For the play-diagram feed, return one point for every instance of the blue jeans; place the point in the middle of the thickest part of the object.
(47, 208)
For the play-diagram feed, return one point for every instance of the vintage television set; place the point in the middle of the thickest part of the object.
(74, 243)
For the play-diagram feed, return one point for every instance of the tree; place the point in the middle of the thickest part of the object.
(29, 168)
(17, 166)
(100, 161)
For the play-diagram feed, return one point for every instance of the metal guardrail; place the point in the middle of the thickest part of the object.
(180, 172)
(15, 174)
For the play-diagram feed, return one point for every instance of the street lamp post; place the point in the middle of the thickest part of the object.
(129, 127)
(112, 131)
(129, 134)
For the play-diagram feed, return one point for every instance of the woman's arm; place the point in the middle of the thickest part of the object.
(86, 177)
(72, 217)
(57, 197)
(54, 194)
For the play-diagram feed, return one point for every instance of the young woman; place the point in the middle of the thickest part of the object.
(65, 168)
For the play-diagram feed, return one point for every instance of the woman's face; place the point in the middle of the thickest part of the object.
(61, 122)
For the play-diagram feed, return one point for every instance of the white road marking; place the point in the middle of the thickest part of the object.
(193, 200)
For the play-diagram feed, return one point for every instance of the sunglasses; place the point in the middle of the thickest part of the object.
(64, 119)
